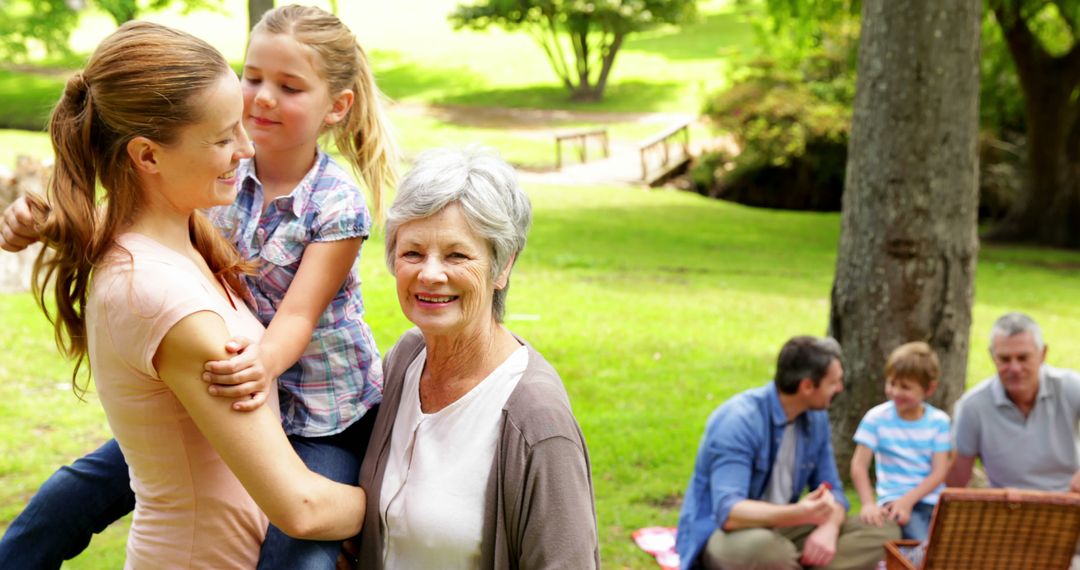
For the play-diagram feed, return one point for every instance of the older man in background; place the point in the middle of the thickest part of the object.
(1022, 423)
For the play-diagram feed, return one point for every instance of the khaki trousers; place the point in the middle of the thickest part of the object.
(860, 546)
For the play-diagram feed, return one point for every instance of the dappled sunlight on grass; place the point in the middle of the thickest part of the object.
(714, 35)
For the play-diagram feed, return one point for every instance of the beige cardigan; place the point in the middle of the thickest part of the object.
(539, 508)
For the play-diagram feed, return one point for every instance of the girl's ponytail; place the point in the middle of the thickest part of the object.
(365, 136)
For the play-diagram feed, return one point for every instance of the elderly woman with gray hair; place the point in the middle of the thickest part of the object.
(476, 460)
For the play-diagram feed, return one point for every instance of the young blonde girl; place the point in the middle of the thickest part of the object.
(301, 221)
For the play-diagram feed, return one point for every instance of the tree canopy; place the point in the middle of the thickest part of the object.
(47, 24)
(579, 37)
(28, 23)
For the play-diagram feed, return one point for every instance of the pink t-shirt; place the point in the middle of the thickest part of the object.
(190, 510)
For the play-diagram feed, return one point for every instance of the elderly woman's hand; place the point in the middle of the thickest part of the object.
(349, 557)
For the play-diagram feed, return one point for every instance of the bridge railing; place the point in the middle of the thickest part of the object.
(657, 155)
(581, 137)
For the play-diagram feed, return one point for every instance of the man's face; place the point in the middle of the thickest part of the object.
(1018, 360)
(831, 385)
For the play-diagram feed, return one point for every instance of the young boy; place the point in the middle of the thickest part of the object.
(909, 441)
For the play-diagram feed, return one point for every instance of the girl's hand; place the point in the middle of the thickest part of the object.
(872, 514)
(243, 376)
(899, 511)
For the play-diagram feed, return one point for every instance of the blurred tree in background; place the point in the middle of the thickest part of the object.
(593, 29)
(29, 28)
(29, 24)
(1029, 109)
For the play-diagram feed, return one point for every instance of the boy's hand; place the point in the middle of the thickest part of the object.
(17, 230)
(242, 377)
(817, 505)
(899, 511)
(872, 514)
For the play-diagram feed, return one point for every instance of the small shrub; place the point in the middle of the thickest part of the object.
(792, 128)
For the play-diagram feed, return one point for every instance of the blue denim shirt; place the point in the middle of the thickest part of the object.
(735, 461)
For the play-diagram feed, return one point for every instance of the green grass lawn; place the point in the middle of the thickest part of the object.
(654, 306)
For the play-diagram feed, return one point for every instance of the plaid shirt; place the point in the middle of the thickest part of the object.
(339, 376)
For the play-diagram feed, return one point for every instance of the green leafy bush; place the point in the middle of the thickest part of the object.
(791, 126)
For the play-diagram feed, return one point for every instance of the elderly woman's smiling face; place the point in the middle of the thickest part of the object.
(443, 272)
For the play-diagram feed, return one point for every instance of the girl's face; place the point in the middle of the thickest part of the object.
(286, 101)
(199, 168)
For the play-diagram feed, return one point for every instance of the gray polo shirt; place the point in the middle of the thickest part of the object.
(1037, 452)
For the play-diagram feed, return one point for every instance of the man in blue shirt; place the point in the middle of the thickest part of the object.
(760, 450)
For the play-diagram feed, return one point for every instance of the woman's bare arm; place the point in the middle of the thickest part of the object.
(299, 502)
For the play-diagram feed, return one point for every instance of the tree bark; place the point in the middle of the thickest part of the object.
(905, 266)
(1049, 204)
(256, 9)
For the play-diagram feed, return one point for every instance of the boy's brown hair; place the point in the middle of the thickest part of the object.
(916, 361)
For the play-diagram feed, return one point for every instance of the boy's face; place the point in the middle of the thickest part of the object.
(906, 393)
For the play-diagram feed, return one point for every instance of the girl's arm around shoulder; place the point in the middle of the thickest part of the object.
(301, 503)
(323, 269)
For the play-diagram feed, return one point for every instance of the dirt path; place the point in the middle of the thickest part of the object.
(526, 120)
(622, 167)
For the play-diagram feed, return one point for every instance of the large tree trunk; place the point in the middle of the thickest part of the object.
(256, 9)
(905, 266)
(1049, 206)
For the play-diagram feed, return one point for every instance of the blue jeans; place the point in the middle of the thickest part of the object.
(84, 498)
(336, 457)
(72, 505)
(918, 526)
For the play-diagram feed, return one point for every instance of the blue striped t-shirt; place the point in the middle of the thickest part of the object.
(903, 449)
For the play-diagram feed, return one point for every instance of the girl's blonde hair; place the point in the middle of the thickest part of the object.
(143, 80)
(364, 136)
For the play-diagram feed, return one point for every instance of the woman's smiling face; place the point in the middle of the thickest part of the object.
(443, 272)
(199, 167)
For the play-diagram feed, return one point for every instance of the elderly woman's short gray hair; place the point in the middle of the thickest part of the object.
(484, 186)
(1012, 324)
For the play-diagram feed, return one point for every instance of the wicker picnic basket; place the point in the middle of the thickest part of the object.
(1002, 529)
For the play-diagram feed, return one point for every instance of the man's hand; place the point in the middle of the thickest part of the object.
(242, 377)
(817, 506)
(872, 514)
(899, 511)
(17, 229)
(820, 547)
